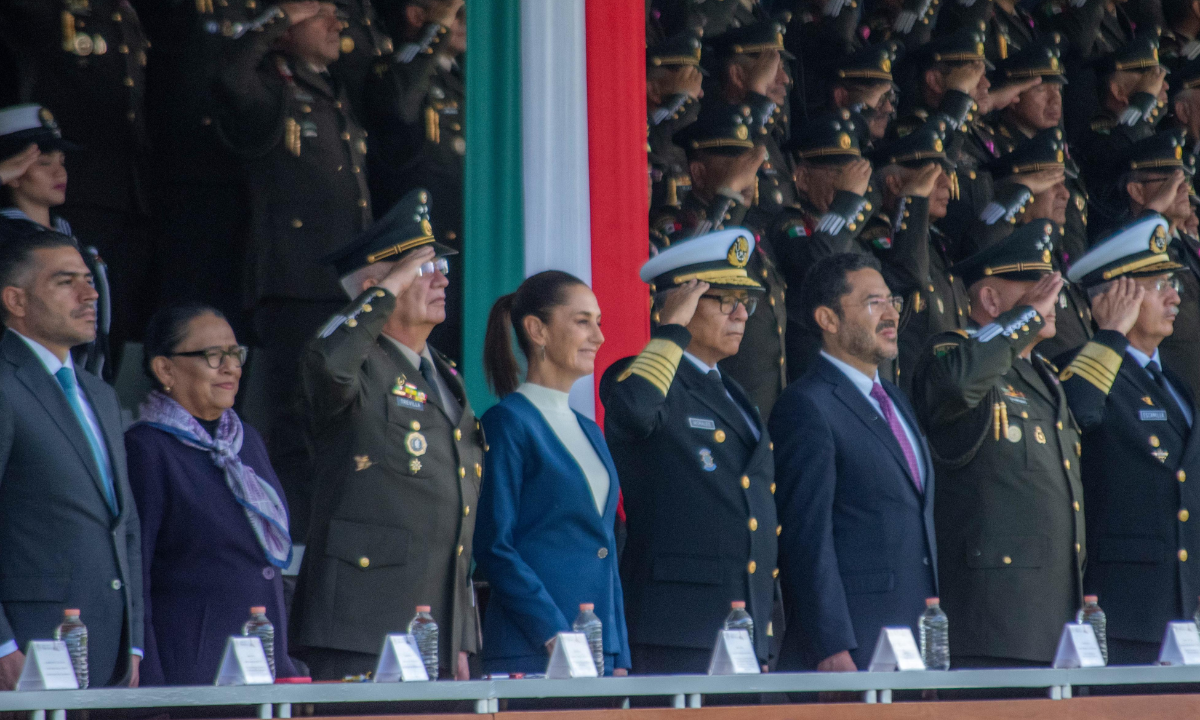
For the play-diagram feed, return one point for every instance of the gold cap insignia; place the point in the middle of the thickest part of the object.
(844, 141)
(937, 145)
(1158, 241)
(978, 48)
(741, 132)
(426, 227)
(1045, 256)
(1178, 153)
(1053, 63)
(415, 443)
(1059, 156)
(739, 253)
(885, 65)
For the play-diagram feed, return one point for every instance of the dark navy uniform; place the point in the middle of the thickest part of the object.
(1138, 453)
(697, 475)
(1181, 350)
(1006, 449)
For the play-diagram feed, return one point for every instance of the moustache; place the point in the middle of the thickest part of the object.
(885, 325)
(83, 310)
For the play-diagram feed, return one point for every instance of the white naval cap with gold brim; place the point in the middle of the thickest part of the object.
(1138, 249)
(717, 258)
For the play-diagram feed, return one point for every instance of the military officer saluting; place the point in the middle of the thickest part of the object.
(1138, 449)
(673, 92)
(695, 462)
(399, 459)
(1006, 449)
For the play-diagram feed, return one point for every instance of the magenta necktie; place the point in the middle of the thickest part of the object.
(889, 414)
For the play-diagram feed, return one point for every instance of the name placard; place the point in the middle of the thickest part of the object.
(244, 663)
(733, 654)
(400, 660)
(1181, 644)
(896, 649)
(47, 667)
(572, 658)
(1077, 647)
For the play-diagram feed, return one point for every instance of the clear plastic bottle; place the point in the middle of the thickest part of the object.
(935, 636)
(591, 627)
(1091, 614)
(425, 631)
(1196, 617)
(260, 627)
(739, 619)
(74, 634)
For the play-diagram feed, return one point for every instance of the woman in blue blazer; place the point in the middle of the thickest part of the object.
(544, 536)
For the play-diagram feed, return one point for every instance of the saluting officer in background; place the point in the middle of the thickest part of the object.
(1138, 447)
(1006, 450)
(695, 463)
(399, 460)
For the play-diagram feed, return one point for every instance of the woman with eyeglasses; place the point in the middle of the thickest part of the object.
(214, 520)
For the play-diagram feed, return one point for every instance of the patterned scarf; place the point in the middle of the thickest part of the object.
(263, 507)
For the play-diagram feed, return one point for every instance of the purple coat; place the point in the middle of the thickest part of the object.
(203, 567)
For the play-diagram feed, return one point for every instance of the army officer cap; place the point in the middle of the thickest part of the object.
(1022, 256)
(404, 228)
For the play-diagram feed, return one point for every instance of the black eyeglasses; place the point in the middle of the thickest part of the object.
(215, 356)
(730, 303)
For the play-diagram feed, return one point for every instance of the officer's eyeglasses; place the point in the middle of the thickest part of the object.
(215, 356)
(1161, 284)
(877, 305)
(730, 303)
(441, 265)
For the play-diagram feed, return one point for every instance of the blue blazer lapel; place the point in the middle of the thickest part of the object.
(614, 486)
(50, 395)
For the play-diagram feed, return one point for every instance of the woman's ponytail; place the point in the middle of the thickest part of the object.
(499, 362)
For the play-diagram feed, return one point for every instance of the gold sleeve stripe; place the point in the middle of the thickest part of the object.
(1096, 363)
(657, 364)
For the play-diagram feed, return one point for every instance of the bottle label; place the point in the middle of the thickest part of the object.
(244, 663)
(47, 667)
(896, 649)
(572, 657)
(400, 660)
(1077, 647)
(733, 654)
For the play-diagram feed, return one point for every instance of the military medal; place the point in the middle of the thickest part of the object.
(414, 466)
(407, 394)
(415, 444)
(1014, 434)
(1039, 435)
(706, 460)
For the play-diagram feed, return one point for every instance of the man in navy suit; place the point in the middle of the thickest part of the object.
(854, 476)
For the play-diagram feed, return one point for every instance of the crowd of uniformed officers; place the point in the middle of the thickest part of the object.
(926, 319)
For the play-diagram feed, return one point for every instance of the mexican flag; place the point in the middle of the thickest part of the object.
(556, 166)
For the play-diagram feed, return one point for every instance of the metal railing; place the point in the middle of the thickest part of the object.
(684, 690)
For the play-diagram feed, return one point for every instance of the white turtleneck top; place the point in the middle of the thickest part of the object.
(553, 406)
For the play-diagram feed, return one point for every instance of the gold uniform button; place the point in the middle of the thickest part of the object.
(1058, 424)
(345, 136)
(415, 425)
(602, 553)
(770, 445)
(745, 482)
(1181, 476)
(1067, 464)
(362, 203)
(772, 488)
(1007, 560)
(1078, 547)
(754, 566)
(1075, 505)
(128, 81)
(457, 434)
(775, 573)
(367, 308)
(1154, 441)
(466, 510)
(460, 549)
(771, 301)
(778, 530)
(364, 561)
(753, 524)
(478, 470)
(462, 472)
(1183, 515)
(1183, 556)
(297, 223)
(719, 436)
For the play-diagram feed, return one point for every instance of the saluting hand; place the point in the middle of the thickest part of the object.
(298, 12)
(854, 177)
(1043, 294)
(1162, 200)
(1002, 98)
(450, 10)
(15, 166)
(744, 170)
(763, 71)
(1117, 307)
(1042, 180)
(922, 183)
(678, 305)
(405, 272)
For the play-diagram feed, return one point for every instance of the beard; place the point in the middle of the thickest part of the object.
(864, 344)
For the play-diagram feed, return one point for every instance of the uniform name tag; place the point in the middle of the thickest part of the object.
(411, 404)
(1149, 415)
(702, 423)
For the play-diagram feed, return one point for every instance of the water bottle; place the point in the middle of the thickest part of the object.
(425, 631)
(74, 634)
(591, 627)
(739, 619)
(260, 627)
(1091, 614)
(1196, 617)
(935, 636)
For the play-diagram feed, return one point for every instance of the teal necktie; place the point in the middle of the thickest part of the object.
(66, 379)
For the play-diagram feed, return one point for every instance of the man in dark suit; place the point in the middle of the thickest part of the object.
(69, 534)
(399, 459)
(695, 462)
(1138, 446)
(855, 480)
(1009, 504)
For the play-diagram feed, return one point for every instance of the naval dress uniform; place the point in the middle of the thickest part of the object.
(399, 465)
(1008, 511)
(1139, 452)
(696, 469)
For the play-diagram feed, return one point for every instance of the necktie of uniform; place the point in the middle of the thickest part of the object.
(1157, 373)
(66, 380)
(430, 376)
(889, 414)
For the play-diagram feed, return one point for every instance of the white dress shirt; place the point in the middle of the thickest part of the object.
(706, 369)
(554, 407)
(864, 385)
(1143, 360)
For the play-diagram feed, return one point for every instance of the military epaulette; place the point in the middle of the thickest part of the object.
(1095, 362)
(350, 319)
(430, 35)
(656, 364)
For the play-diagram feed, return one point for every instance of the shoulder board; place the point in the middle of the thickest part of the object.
(1103, 124)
